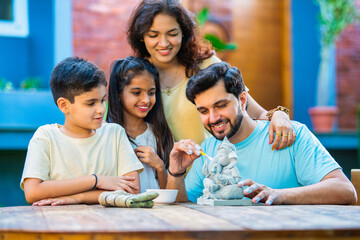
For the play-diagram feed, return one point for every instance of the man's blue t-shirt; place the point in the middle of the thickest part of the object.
(304, 163)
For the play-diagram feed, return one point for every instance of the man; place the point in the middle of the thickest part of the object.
(303, 173)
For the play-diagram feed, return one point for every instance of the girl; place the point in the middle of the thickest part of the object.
(135, 103)
(163, 31)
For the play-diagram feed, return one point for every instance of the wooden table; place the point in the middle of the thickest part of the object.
(180, 221)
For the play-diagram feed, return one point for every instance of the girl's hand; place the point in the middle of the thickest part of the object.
(113, 183)
(147, 155)
(285, 134)
(67, 200)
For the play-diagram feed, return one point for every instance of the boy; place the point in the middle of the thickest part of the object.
(75, 162)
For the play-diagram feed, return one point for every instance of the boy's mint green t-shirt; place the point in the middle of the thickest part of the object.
(54, 156)
(306, 162)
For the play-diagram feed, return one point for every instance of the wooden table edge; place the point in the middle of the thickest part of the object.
(196, 234)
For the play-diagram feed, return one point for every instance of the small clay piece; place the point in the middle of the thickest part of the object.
(120, 198)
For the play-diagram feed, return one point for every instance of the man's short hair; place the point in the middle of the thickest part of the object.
(208, 77)
(74, 76)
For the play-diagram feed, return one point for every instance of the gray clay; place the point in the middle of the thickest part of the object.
(222, 175)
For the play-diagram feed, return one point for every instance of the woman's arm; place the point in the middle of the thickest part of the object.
(280, 124)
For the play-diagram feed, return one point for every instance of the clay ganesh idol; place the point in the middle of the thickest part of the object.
(222, 175)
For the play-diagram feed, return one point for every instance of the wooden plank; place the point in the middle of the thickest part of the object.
(257, 31)
(220, 235)
(189, 219)
(296, 217)
(286, 61)
(97, 218)
(22, 218)
(355, 180)
(72, 218)
(180, 221)
(133, 219)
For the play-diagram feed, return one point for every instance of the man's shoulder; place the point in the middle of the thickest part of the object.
(263, 125)
(208, 61)
(299, 127)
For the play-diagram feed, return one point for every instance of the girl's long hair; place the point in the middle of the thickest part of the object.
(122, 72)
(192, 51)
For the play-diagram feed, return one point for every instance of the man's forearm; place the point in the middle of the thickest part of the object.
(329, 191)
(179, 184)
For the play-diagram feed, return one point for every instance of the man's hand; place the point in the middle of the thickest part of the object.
(182, 155)
(113, 183)
(261, 193)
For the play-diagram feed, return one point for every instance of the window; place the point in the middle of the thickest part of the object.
(14, 18)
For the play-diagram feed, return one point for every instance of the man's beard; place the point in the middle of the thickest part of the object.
(233, 128)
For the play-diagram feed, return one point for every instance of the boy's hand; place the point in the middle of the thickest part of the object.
(113, 183)
(67, 200)
(147, 155)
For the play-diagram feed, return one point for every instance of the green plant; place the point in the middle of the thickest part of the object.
(5, 85)
(334, 17)
(31, 83)
(202, 17)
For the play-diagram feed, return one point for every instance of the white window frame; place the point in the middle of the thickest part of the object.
(19, 27)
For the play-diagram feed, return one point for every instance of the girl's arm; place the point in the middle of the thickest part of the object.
(36, 189)
(148, 156)
(280, 123)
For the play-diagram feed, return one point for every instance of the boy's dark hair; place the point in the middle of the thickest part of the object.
(208, 77)
(122, 72)
(191, 52)
(74, 76)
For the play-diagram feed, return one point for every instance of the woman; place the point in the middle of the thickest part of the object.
(164, 32)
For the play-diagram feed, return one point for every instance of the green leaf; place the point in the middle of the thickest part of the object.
(5, 84)
(334, 17)
(218, 44)
(31, 83)
(202, 16)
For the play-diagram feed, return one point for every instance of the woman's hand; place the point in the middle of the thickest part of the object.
(147, 155)
(281, 125)
(113, 183)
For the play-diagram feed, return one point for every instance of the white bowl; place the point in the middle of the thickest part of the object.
(165, 195)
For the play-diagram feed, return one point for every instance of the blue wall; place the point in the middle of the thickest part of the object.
(14, 59)
(306, 57)
(33, 55)
(49, 41)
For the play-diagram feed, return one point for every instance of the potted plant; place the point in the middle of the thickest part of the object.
(334, 16)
